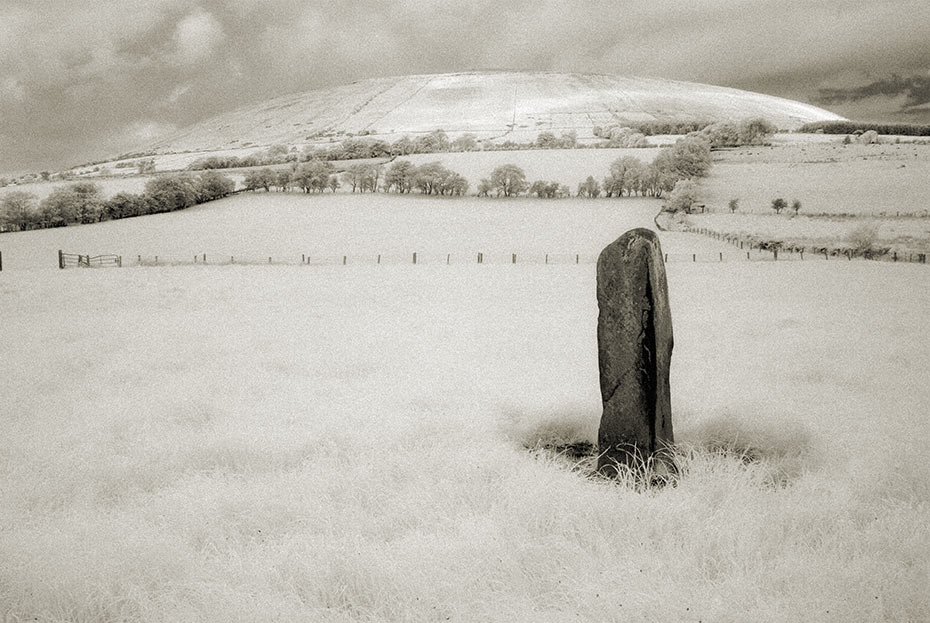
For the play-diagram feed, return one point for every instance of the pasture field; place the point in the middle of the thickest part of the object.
(244, 443)
(361, 443)
(109, 186)
(903, 235)
(829, 178)
(254, 226)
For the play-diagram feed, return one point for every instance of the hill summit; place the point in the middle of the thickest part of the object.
(493, 105)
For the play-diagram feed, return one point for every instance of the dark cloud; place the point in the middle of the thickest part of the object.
(84, 79)
(916, 90)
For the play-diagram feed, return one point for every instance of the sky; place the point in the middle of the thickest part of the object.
(86, 79)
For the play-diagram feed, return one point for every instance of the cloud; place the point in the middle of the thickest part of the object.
(196, 37)
(916, 90)
(74, 75)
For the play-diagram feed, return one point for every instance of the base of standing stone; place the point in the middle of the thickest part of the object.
(634, 335)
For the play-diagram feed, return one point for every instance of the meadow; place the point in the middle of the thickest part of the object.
(380, 443)
(827, 177)
(254, 226)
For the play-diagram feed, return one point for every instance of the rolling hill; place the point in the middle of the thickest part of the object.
(493, 105)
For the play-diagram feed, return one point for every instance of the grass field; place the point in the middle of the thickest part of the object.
(826, 177)
(109, 186)
(360, 443)
(270, 443)
(254, 226)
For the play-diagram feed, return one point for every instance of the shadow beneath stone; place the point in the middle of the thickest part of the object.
(783, 450)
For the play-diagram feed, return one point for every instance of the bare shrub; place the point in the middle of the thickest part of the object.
(863, 239)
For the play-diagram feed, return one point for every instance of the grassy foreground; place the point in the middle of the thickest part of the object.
(256, 443)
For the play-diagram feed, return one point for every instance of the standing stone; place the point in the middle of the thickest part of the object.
(634, 337)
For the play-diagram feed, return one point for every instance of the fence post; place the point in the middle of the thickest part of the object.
(802, 254)
(302, 258)
(204, 258)
(775, 251)
(895, 256)
(156, 260)
(576, 258)
(61, 259)
(119, 261)
(747, 255)
(414, 257)
(343, 260)
(269, 260)
(448, 257)
(666, 257)
(1, 261)
(232, 259)
(721, 256)
(694, 257)
(379, 258)
(513, 259)
(547, 258)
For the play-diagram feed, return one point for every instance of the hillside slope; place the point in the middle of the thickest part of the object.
(516, 105)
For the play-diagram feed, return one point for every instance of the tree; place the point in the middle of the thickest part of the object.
(508, 180)
(796, 206)
(568, 140)
(313, 175)
(465, 142)
(434, 142)
(682, 197)
(260, 178)
(167, 193)
(539, 188)
(722, 135)
(625, 137)
(485, 187)
(755, 131)
(283, 180)
(124, 205)
(690, 156)
(430, 178)
(362, 176)
(546, 140)
(455, 184)
(333, 182)
(404, 146)
(400, 176)
(733, 205)
(214, 185)
(625, 174)
(589, 188)
(660, 175)
(18, 209)
(779, 204)
(81, 202)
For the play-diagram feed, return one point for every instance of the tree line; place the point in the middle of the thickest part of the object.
(83, 202)
(688, 158)
(858, 127)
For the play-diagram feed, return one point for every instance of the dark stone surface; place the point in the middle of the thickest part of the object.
(634, 336)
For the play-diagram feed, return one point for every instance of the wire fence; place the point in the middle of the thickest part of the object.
(747, 251)
(781, 251)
